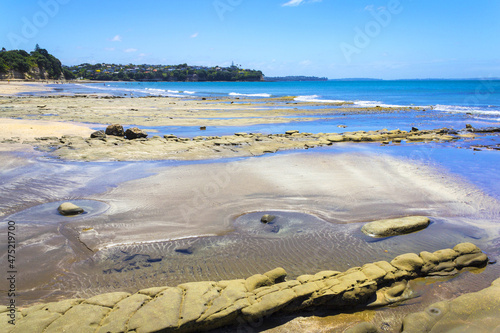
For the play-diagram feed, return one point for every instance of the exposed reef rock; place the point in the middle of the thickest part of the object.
(394, 227)
(196, 306)
(140, 147)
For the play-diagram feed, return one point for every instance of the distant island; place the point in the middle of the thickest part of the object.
(294, 78)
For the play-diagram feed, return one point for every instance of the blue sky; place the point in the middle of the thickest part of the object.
(387, 39)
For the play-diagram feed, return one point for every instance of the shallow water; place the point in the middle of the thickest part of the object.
(298, 242)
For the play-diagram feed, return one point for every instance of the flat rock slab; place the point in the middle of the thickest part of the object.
(395, 227)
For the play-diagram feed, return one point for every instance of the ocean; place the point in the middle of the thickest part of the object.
(480, 98)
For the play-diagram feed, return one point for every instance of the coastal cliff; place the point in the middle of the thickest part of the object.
(37, 65)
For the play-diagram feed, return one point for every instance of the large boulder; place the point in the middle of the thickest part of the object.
(115, 129)
(394, 227)
(135, 133)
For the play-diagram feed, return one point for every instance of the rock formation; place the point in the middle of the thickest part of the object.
(138, 146)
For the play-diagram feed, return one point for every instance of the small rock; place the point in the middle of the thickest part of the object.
(115, 129)
(98, 135)
(68, 208)
(469, 126)
(342, 126)
(414, 129)
(135, 133)
(291, 132)
(267, 218)
(203, 128)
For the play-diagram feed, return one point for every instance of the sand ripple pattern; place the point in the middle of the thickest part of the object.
(298, 242)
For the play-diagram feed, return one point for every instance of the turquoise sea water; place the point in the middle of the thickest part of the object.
(478, 97)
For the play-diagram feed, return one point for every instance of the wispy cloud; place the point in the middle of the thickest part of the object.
(294, 3)
(129, 50)
(109, 48)
(194, 35)
(117, 38)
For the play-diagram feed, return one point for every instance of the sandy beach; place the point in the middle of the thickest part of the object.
(165, 211)
(9, 88)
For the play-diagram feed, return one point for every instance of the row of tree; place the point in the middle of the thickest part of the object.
(184, 74)
(28, 63)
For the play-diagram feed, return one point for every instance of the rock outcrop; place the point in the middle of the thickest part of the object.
(140, 147)
(195, 306)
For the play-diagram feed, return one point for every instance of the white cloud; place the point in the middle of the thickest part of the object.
(142, 54)
(194, 35)
(294, 3)
(109, 48)
(129, 50)
(305, 63)
(117, 38)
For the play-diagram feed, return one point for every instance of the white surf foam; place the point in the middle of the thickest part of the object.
(316, 98)
(466, 109)
(250, 95)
